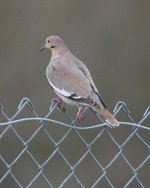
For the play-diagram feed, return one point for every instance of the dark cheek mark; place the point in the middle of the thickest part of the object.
(53, 68)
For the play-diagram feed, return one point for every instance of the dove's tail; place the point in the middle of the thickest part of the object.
(107, 116)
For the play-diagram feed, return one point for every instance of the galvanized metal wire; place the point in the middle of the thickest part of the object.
(73, 177)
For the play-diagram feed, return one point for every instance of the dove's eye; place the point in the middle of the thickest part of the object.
(48, 41)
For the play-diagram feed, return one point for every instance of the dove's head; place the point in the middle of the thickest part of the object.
(54, 43)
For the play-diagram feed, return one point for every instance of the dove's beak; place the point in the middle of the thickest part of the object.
(43, 47)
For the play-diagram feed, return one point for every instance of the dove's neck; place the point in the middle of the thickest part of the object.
(58, 52)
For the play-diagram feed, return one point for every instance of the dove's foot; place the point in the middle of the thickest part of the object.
(80, 114)
(60, 105)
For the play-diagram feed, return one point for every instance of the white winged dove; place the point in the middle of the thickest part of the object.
(72, 82)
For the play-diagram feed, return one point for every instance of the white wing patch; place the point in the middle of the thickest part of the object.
(76, 97)
(61, 91)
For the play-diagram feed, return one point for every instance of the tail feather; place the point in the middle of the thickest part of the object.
(107, 116)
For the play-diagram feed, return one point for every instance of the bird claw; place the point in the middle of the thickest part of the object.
(80, 114)
(60, 105)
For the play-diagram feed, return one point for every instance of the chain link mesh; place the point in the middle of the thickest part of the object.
(48, 152)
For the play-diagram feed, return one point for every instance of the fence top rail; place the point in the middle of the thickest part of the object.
(26, 102)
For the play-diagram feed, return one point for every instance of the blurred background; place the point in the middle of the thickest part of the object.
(111, 37)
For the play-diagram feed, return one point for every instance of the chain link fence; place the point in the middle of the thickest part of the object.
(57, 151)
